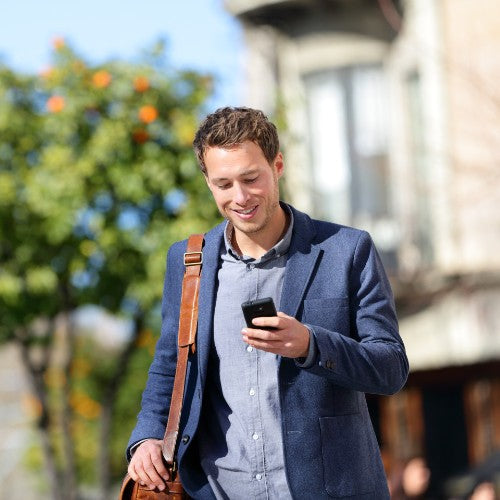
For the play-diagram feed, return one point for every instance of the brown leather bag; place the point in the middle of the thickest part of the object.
(188, 321)
(134, 491)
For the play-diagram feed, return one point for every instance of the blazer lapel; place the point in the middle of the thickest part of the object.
(206, 301)
(302, 258)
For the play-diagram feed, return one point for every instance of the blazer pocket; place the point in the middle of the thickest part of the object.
(330, 313)
(348, 456)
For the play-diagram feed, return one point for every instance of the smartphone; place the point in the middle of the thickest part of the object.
(258, 309)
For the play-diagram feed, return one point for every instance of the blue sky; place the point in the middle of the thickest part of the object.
(200, 34)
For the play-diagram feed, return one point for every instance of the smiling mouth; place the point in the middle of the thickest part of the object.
(247, 212)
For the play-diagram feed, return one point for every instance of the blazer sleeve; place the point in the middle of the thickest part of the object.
(370, 357)
(152, 418)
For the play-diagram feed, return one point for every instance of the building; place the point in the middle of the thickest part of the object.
(390, 113)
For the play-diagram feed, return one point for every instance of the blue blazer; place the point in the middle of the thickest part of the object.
(334, 282)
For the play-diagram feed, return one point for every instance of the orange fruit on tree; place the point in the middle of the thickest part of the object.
(55, 104)
(148, 114)
(141, 84)
(101, 79)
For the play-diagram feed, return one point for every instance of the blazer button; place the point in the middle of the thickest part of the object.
(329, 364)
(185, 439)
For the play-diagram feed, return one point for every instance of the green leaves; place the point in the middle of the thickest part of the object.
(95, 167)
(10, 287)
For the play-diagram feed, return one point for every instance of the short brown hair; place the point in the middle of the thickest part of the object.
(227, 127)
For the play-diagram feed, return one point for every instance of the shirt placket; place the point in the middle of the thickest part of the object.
(255, 427)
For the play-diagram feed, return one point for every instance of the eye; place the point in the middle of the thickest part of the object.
(251, 180)
(224, 186)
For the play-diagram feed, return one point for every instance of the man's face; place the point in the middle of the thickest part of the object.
(245, 186)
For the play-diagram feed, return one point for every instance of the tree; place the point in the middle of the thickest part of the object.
(97, 179)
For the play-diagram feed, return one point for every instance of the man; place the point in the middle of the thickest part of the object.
(278, 410)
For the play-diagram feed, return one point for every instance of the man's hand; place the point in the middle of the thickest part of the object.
(290, 337)
(147, 467)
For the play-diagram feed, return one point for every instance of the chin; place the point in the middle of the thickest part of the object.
(249, 227)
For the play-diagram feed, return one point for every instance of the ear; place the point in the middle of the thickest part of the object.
(279, 165)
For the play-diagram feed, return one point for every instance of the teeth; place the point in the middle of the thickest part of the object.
(245, 212)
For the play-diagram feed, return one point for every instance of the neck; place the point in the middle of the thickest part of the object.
(257, 244)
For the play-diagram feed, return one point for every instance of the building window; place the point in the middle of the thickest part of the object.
(347, 115)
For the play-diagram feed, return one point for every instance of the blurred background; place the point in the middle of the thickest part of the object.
(389, 118)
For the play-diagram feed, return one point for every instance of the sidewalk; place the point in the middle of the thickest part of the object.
(15, 430)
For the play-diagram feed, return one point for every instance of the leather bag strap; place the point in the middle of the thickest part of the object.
(188, 322)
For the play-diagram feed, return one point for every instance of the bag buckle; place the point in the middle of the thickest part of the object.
(193, 258)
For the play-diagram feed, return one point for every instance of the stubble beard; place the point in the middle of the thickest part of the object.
(251, 228)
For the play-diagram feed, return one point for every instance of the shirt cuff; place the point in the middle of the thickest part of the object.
(136, 445)
(309, 361)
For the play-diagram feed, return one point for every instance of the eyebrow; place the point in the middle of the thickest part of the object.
(250, 171)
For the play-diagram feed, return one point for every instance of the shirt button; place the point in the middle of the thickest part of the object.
(249, 348)
(258, 477)
(255, 436)
(252, 392)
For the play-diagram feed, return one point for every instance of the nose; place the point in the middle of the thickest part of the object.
(241, 195)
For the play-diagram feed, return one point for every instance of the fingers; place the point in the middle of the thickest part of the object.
(264, 340)
(278, 322)
(283, 315)
(271, 347)
(264, 322)
(289, 338)
(258, 334)
(147, 467)
(270, 327)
